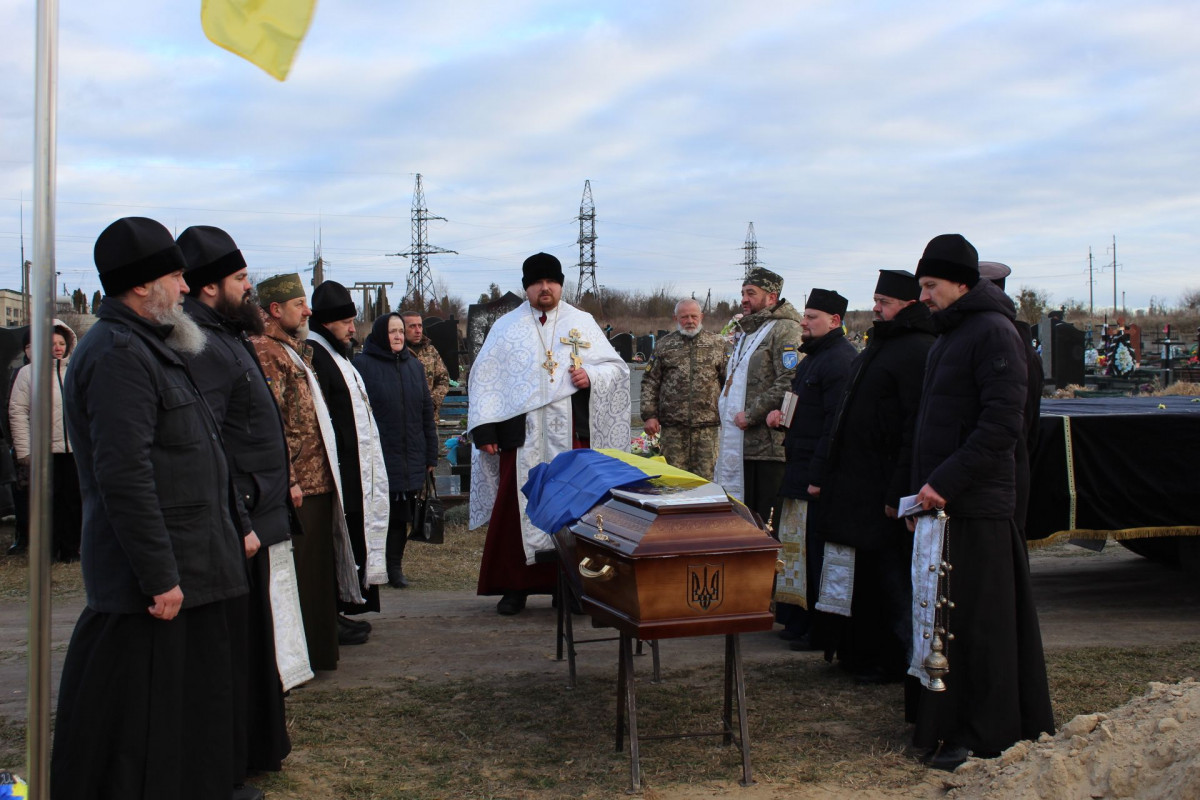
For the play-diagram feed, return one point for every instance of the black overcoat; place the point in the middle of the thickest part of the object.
(228, 375)
(818, 383)
(152, 471)
(972, 406)
(870, 451)
(403, 409)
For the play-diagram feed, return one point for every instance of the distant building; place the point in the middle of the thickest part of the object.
(12, 308)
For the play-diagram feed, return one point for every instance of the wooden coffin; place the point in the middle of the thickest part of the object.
(658, 562)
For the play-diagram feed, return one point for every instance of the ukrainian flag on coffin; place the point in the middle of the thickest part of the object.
(563, 490)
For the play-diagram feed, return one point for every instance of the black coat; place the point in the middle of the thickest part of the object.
(341, 414)
(229, 377)
(152, 472)
(870, 451)
(972, 406)
(403, 409)
(818, 384)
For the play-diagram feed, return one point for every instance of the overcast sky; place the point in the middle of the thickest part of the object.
(849, 133)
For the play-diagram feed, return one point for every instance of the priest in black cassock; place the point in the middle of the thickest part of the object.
(232, 383)
(359, 451)
(968, 423)
(145, 707)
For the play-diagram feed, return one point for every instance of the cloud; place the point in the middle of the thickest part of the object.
(849, 134)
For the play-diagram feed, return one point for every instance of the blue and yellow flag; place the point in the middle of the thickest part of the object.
(267, 33)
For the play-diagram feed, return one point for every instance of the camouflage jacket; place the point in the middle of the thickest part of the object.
(436, 374)
(683, 380)
(769, 374)
(310, 462)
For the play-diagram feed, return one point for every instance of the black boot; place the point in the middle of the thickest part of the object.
(20, 543)
(396, 578)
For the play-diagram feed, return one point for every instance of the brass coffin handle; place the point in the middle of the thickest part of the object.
(603, 574)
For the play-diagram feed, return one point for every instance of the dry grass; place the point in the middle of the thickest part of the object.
(496, 736)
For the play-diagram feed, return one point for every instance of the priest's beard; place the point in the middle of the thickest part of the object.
(186, 336)
(687, 332)
(244, 315)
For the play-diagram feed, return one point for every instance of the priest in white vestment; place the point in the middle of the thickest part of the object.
(545, 381)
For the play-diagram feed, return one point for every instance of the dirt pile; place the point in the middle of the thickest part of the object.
(1147, 748)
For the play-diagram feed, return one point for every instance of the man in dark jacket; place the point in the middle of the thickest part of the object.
(968, 423)
(870, 455)
(395, 381)
(144, 708)
(817, 387)
(360, 459)
(232, 383)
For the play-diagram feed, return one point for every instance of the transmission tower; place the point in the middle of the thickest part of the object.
(420, 281)
(318, 264)
(587, 246)
(750, 261)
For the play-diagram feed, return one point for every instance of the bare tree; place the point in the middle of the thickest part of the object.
(1031, 304)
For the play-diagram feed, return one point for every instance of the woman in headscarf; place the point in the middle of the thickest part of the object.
(403, 409)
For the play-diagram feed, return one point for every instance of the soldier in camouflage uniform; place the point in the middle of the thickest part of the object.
(750, 463)
(680, 389)
(285, 310)
(436, 374)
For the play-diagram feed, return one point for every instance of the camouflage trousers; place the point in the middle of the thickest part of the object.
(692, 449)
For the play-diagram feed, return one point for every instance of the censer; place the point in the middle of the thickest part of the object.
(936, 663)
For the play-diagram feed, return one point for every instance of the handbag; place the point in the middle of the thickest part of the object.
(429, 515)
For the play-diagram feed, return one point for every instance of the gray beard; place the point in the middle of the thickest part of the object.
(685, 333)
(186, 336)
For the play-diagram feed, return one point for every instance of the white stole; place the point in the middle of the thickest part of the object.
(372, 469)
(291, 647)
(729, 471)
(347, 570)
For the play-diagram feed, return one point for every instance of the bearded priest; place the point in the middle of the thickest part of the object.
(545, 381)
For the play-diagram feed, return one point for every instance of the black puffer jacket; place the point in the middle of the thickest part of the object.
(152, 471)
(818, 384)
(972, 406)
(228, 375)
(402, 406)
(870, 450)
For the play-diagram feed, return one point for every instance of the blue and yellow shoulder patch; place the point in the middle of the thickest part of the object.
(790, 357)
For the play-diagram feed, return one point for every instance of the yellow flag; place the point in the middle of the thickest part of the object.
(267, 33)
(658, 466)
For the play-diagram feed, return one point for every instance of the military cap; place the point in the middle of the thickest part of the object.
(280, 289)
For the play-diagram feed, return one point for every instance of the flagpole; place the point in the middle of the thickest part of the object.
(37, 730)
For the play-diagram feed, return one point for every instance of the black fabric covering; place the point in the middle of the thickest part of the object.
(145, 708)
(1135, 465)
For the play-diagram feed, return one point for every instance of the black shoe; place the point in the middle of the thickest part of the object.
(948, 757)
(789, 635)
(348, 635)
(512, 603)
(875, 676)
(354, 622)
(244, 792)
(804, 645)
(15, 549)
(397, 578)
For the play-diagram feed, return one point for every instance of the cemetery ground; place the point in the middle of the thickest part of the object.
(450, 700)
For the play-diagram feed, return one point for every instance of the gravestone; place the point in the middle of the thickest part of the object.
(645, 346)
(1068, 346)
(444, 335)
(623, 344)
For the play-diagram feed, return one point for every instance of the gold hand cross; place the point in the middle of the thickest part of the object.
(576, 342)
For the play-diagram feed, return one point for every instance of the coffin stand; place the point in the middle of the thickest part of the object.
(660, 562)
